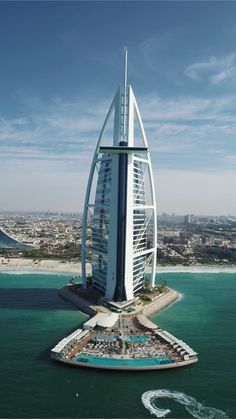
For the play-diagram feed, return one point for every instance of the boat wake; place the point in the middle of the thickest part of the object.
(196, 409)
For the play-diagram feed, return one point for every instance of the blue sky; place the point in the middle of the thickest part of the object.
(61, 63)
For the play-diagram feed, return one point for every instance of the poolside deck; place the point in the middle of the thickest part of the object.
(128, 345)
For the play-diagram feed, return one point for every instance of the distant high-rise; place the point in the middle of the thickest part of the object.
(187, 219)
(122, 214)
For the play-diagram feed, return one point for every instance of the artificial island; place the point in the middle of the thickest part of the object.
(121, 293)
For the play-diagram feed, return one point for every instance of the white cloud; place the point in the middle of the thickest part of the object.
(185, 122)
(66, 130)
(215, 70)
(56, 147)
(187, 108)
(62, 129)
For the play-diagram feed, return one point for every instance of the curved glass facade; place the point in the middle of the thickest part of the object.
(100, 224)
(7, 242)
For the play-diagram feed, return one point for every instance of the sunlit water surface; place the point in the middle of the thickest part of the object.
(34, 319)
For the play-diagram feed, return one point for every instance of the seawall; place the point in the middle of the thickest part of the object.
(79, 302)
(160, 303)
(126, 367)
(149, 310)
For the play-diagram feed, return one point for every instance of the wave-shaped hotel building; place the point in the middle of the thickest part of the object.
(8, 242)
(119, 239)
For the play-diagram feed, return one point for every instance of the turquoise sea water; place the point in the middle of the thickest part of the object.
(33, 319)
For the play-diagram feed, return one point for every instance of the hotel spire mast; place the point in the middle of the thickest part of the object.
(125, 92)
(123, 224)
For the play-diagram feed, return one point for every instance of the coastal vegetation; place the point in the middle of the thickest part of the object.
(72, 253)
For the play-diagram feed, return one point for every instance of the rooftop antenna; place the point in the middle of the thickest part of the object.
(125, 67)
(125, 89)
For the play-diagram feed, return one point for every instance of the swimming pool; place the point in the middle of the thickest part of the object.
(137, 338)
(95, 360)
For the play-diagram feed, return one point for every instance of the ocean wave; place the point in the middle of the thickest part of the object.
(196, 409)
(181, 297)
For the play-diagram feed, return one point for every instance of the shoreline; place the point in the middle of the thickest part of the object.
(66, 267)
(40, 266)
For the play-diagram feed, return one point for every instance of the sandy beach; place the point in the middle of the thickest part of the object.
(45, 265)
(60, 266)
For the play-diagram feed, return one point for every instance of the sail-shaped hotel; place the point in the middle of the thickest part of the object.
(123, 226)
(119, 240)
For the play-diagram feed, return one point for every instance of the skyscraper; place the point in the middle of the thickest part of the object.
(122, 214)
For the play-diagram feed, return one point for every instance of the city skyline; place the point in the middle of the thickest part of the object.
(58, 73)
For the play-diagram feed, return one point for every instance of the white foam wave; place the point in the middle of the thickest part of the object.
(181, 297)
(196, 409)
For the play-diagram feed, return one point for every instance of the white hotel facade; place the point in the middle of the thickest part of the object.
(120, 206)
